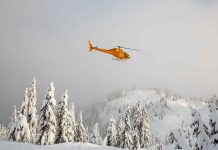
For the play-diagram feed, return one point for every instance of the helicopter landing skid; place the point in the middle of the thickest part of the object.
(118, 59)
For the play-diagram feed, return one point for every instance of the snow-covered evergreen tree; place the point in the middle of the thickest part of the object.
(87, 136)
(71, 127)
(119, 133)
(186, 132)
(22, 131)
(137, 115)
(12, 126)
(151, 109)
(214, 125)
(213, 100)
(62, 120)
(178, 145)
(24, 105)
(171, 137)
(32, 118)
(47, 121)
(3, 131)
(111, 137)
(178, 140)
(136, 144)
(141, 125)
(200, 131)
(126, 138)
(80, 130)
(158, 144)
(95, 137)
(144, 129)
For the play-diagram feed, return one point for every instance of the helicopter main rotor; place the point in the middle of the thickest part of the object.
(129, 48)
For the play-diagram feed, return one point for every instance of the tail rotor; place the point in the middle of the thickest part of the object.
(90, 46)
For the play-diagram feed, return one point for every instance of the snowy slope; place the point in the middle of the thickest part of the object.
(177, 112)
(113, 106)
(7, 145)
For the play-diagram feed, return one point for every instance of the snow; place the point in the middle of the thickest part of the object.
(22, 129)
(32, 118)
(111, 136)
(95, 137)
(7, 145)
(47, 122)
(128, 98)
(166, 114)
(178, 111)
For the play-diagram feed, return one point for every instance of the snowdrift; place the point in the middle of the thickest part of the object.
(7, 145)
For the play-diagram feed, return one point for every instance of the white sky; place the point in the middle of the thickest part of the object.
(48, 39)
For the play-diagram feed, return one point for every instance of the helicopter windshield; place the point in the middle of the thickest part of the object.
(126, 55)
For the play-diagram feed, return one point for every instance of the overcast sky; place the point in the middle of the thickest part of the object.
(48, 39)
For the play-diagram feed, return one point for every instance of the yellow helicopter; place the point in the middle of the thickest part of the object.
(118, 51)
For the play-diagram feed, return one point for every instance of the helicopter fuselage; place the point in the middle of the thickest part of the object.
(119, 53)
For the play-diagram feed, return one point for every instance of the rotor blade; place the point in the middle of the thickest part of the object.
(129, 48)
(133, 49)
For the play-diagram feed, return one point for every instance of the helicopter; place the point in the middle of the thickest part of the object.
(117, 52)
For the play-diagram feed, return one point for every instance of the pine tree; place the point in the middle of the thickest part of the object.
(214, 125)
(111, 137)
(71, 127)
(3, 131)
(141, 125)
(87, 137)
(95, 137)
(151, 109)
(200, 131)
(32, 118)
(158, 144)
(24, 105)
(136, 144)
(144, 129)
(179, 140)
(62, 120)
(137, 117)
(22, 132)
(47, 122)
(171, 138)
(12, 126)
(119, 133)
(126, 137)
(185, 131)
(80, 130)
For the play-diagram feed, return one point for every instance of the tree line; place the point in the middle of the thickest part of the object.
(57, 123)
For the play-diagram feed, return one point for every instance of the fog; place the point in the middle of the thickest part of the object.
(48, 40)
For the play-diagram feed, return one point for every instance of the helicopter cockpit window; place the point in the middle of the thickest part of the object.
(126, 55)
